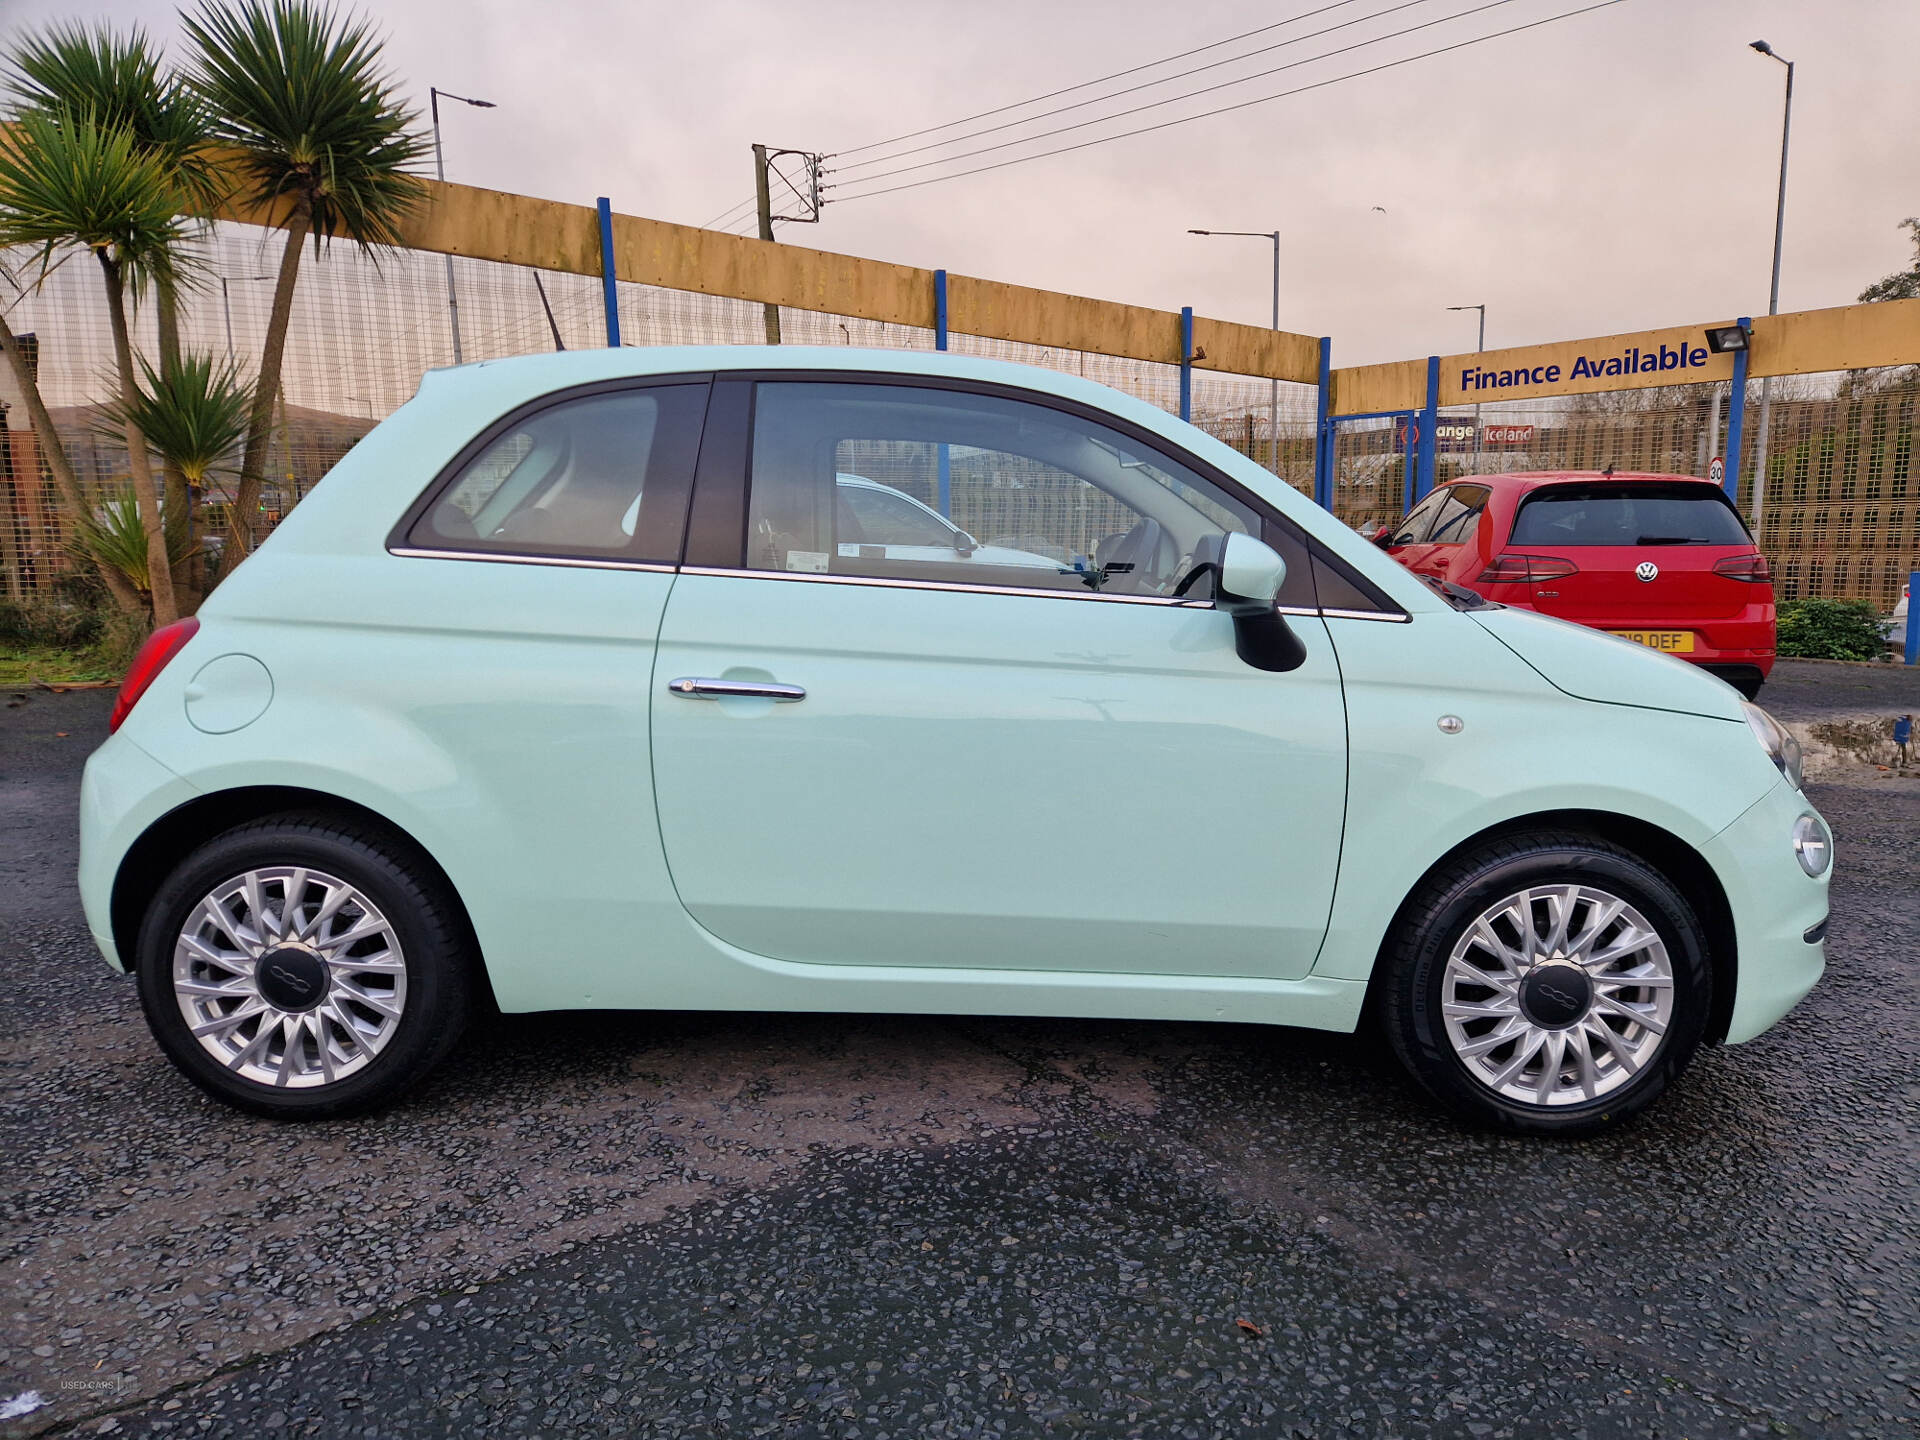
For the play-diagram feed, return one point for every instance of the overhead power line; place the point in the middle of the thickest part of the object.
(1143, 85)
(1176, 99)
(1084, 84)
(1220, 110)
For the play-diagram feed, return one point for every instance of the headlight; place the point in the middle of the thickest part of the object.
(1781, 747)
(1812, 846)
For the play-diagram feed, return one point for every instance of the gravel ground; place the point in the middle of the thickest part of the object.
(833, 1226)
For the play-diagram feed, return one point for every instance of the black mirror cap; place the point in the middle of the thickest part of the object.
(1266, 642)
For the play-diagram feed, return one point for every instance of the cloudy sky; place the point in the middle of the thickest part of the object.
(1610, 171)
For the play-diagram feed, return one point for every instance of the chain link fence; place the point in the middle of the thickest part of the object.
(1842, 516)
(365, 328)
(1841, 504)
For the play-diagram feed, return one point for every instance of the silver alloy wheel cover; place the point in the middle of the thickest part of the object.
(1626, 1022)
(294, 909)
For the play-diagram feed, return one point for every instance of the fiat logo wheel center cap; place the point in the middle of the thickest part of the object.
(1556, 994)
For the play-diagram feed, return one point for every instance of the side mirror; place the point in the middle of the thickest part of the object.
(1251, 574)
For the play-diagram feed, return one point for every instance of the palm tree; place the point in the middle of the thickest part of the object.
(324, 146)
(194, 415)
(118, 79)
(69, 183)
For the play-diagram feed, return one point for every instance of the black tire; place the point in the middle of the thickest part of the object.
(1450, 899)
(439, 970)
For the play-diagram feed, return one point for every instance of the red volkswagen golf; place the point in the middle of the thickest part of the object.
(1664, 560)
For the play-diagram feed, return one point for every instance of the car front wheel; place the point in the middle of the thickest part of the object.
(1547, 983)
(301, 967)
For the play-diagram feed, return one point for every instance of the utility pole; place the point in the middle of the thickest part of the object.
(440, 172)
(1773, 300)
(1273, 383)
(763, 198)
(1476, 404)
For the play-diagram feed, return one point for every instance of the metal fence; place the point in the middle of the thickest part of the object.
(1841, 505)
(366, 327)
(1842, 516)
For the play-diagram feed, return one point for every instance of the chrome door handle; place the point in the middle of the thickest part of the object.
(701, 687)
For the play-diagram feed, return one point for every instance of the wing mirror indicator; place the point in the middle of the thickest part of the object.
(1248, 589)
(1525, 569)
(1752, 568)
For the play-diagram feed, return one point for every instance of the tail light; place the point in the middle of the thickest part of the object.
(1525, 569)
(161, 646)
(1744, 567)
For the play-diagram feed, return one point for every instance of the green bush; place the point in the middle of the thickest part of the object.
(57, 621)
(1830, 630)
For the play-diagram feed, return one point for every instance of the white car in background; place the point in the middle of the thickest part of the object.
(906, 529)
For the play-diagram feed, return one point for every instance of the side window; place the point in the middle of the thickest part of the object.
(1453, 522)
(602, 476)
(906, 483)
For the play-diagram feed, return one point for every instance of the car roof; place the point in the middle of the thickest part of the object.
(1533, 479)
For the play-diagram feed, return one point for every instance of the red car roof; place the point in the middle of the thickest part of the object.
(1528, 480)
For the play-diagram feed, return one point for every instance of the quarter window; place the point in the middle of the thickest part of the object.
(602, 476)
(903, 482)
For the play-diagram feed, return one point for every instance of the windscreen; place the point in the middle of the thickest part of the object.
(1625, 513)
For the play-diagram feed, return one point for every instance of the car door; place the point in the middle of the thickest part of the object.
(894, 760)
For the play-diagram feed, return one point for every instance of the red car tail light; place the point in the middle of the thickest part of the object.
(1744, 567)
(161, 646)
(1525, 569)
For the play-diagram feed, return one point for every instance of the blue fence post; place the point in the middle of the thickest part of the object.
(944, 495)
(609, 292)
(1186, 362)
(1323, 431)
(1736, 413)
(1913, 619)
(1429, 430)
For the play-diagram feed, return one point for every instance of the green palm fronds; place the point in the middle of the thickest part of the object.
(113, 535)
(118, 81)
(301, 93)
(193, 413)
(70, 182)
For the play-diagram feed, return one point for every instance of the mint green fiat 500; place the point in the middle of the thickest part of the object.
(621, 679)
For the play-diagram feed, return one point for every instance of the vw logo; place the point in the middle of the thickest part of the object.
(1647, 570)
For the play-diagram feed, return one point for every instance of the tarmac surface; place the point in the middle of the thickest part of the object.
(737, 1225)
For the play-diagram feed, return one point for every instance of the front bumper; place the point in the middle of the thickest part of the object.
(123, 791)
(1775, 906)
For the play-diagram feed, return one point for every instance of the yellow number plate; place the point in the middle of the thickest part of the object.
(1678, 641)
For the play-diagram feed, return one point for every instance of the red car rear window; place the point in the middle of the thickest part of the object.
(1627, 514)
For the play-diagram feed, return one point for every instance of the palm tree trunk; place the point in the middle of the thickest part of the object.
(65, 479)
(179, 495)
(146, 496)
(253, 462)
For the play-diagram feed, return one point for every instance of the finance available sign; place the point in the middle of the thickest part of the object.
(1621, 362)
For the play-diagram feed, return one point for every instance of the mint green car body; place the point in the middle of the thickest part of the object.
(615, 846)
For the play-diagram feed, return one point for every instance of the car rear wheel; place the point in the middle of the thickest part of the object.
(1548, 983)
(300, 967)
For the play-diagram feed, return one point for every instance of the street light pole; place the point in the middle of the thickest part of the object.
(226, 304)
(1476, 404)
(1773, 298)
(440, 172)
(1273, 382)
